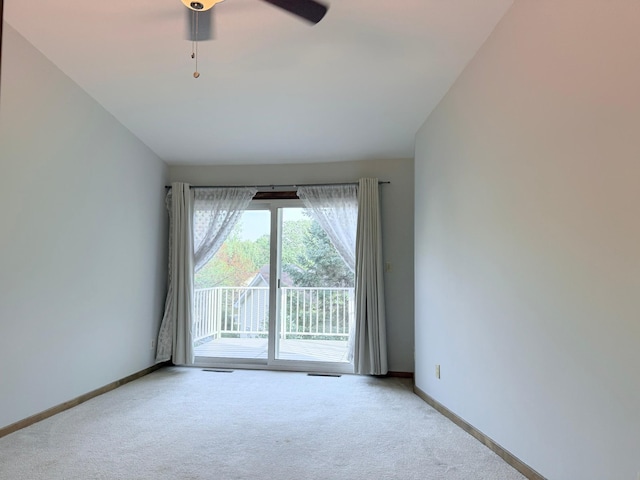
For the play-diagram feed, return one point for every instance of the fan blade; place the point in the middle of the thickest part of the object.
(308, 9)
(200, 22)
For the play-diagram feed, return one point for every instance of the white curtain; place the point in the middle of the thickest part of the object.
(200, 220)
(175, 332)
(370, 349)
(216, 211)
(335, 208)
(351, 217)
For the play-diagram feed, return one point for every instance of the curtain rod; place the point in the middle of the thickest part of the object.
(278, 186)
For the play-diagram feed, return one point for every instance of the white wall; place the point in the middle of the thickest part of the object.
(82, 242)
(397, 225)
(528, 239)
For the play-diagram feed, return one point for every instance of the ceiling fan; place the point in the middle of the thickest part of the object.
(201, 11)
(200, 17)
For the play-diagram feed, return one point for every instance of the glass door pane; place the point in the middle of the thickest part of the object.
(316, 293)
(231, 298)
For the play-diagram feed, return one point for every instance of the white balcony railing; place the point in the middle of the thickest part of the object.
(243, 312)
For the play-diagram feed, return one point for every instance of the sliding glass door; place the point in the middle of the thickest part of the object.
(315, 293)
(231, 298)
(277, 294)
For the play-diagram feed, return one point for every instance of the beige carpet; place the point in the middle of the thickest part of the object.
(184, 424)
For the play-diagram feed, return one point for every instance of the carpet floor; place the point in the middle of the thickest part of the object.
(189, 424)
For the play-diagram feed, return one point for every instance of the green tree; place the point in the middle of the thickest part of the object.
(317, 263)
(294, 237)
(308, 256)
(235, 263)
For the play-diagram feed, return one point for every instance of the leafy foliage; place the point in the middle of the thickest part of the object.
(307, 256)
(318, 264)
(235, 264)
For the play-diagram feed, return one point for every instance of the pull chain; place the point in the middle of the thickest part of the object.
(193, 37)
(196, 74)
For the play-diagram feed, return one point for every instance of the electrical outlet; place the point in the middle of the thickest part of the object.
(153, 344)
(387, 267)
(438, 371)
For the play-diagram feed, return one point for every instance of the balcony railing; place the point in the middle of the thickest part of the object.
(243, 312)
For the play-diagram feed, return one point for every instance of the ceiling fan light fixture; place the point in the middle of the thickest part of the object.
(200, 5)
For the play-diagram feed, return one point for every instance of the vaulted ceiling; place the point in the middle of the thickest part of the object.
(272, 88)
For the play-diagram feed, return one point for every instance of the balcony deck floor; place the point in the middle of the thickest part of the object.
(256, 348)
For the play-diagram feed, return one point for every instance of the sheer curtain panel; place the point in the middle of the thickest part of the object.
(370, 349)
(200, 221)
(335, 208)
(216, 211)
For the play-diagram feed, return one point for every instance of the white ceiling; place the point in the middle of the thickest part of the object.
(273, 89)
